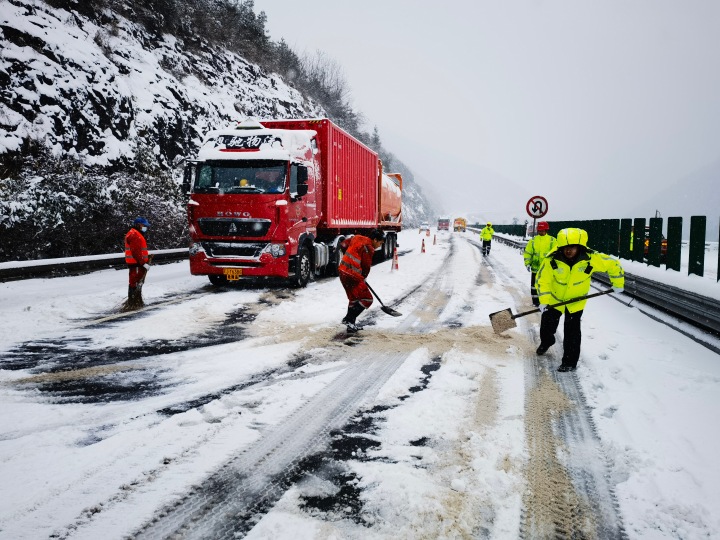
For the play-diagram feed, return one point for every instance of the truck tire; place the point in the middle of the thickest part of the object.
(303, 267)
(389, 246)
(218, 280)
(333, 267)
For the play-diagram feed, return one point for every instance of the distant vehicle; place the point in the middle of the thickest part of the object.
(663, 244)
(276, 199)
(444, 224)
(459, 225)
(425, 226)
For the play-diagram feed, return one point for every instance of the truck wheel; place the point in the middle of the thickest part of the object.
(302, 268)
(218, 280)
(333, 267)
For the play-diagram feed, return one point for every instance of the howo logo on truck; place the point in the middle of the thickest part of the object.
(236, 214)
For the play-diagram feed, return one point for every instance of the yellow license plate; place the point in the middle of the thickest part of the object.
(232, 273)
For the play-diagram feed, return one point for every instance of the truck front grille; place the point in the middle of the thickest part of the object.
(246, 250)
(246, 228)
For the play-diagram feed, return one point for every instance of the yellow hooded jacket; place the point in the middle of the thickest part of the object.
(537, 249)
(557, 281)
(487, 233)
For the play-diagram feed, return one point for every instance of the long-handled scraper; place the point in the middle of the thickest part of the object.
(386, 309)
(505, 320)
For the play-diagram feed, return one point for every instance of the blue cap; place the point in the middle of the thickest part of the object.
(142, 221)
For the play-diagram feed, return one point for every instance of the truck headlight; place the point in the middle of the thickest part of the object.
(194, 248)
(277, 250)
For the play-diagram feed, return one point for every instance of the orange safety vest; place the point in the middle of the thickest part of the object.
(351, 264)
(134, 237)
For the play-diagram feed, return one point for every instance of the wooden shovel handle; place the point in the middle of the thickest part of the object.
(573, 300)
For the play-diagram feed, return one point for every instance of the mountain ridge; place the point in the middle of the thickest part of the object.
(95, 117)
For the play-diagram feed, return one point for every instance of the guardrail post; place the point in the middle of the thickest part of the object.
(655, 243)
(612, 233)
(589, 227)
(600, 233)
(639, 240)
(696, 262)
(674, 244)
(625, 230)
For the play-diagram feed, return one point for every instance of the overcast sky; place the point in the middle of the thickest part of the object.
(590, 103)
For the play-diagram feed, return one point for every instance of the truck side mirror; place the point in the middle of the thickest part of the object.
(187, 178)
(302, 176)
(302, 190)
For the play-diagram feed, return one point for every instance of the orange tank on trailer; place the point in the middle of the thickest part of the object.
(390, 203)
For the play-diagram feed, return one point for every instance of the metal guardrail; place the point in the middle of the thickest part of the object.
(701, 310)
(518, 244)
(74, 265)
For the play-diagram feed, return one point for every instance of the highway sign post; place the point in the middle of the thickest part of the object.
(536, 208)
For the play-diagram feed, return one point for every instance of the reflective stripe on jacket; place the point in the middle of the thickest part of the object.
(136, 251)
(358, 256)
(557, 281)
(487, 233)
(537, 249)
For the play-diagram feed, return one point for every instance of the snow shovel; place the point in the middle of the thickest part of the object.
(505, 320)
(386, 309)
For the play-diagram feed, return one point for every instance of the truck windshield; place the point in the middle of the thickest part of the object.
(241, 176)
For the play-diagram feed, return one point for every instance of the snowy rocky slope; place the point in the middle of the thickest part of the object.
(95, 112)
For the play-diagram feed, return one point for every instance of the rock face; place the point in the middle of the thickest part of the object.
(94, 118)
(95, 92)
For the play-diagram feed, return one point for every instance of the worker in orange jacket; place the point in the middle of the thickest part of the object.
(353, 269)
(136, 254)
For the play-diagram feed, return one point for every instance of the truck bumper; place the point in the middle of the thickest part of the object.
(200, 264)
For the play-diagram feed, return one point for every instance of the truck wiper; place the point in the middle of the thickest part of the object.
(254, 189)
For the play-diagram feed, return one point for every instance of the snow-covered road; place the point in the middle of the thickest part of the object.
(237, 413)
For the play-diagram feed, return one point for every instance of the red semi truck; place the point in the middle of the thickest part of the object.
(275, 199)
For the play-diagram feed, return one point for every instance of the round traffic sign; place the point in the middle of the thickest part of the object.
(537, 207)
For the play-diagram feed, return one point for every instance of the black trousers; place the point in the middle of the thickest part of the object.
(486, 247)
(573, 335)
(533, 290)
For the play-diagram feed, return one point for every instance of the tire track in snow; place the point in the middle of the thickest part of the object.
(569, 492)
(232, 500)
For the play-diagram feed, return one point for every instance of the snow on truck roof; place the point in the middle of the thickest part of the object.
(251, 140)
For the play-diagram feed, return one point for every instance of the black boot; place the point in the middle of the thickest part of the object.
(563, 368)
(350, 318)
(542, 349)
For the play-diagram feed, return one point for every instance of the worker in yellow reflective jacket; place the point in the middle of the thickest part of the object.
(564, 275)
(536, 250)
(486, 235)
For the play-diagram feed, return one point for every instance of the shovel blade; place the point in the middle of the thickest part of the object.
(391, 311)
(502, 320)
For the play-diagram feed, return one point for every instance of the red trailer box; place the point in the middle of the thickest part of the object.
(275, 199)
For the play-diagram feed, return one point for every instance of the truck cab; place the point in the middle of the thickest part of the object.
(254, 196)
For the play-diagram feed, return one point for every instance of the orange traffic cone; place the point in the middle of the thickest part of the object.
(419, 231)
(423, 246)
(395, 262)
(427, 233)
(434, 239)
